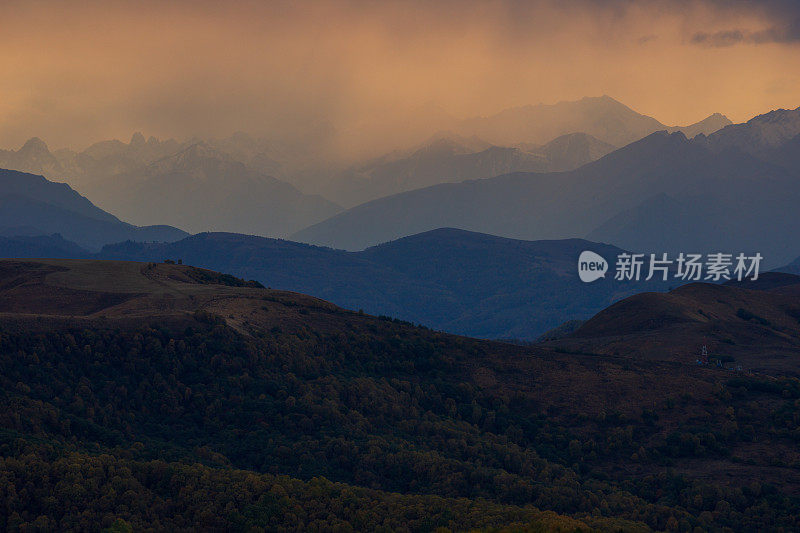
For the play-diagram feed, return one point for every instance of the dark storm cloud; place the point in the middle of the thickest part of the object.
(780, 19)
(782, 35)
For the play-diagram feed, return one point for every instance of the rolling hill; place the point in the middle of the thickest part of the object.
(32, 205)
(755, 324)
(141, 395)
(452, 280)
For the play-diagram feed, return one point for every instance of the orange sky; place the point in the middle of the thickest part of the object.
(77, 72)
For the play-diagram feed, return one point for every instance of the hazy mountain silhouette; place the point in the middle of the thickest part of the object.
(746, 210)
(31, 205)
(259, 155)
(100, 161)
(707, 126)
(601, 117)
(769, 130)
(34, 157)
(40, 246)
(571, 151)
(309, 165)
(202, 188)
(103, 161)
(449, 279)
(212, 184)
(451, 158)
(663, 192)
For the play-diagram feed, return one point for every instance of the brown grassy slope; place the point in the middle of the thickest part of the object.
(115, 289)
(757, 325)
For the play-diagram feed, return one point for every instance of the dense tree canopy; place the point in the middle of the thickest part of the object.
(187, 423)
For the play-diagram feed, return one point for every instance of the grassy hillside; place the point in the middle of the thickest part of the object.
(156, 396)
(752, 324)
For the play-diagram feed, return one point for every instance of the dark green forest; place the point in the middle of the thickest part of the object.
(189, 423)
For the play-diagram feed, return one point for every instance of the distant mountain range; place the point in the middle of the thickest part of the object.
(249, 185)
(33, 157)
(773, 137)
(450, 158)
(663, 192)
(601, 117)
(202, 188)
(448, 279)
(31, 205)
(104, 159)
(543, 138)
(197, 185)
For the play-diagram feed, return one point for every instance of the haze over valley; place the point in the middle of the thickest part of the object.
(440, 266)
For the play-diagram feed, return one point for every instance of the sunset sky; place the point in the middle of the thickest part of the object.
(78, 72)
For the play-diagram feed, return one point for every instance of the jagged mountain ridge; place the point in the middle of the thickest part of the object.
(198, 185)
(202, 188)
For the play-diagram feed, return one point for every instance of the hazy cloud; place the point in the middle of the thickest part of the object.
(362, 75)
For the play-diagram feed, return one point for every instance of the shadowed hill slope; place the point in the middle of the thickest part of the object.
(752, 324)
(143, 369)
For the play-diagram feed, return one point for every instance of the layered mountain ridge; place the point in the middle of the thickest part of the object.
(33, 205)
(664, 192)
